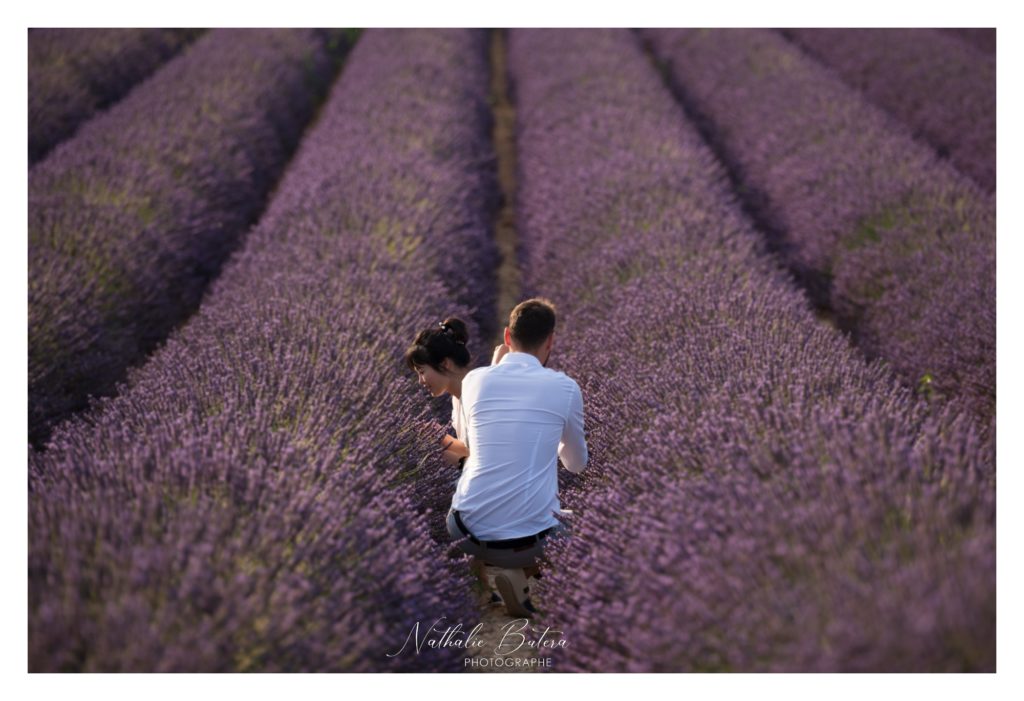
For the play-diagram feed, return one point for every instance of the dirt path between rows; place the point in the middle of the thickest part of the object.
(509, 644)
(500, 632)
(504, 135)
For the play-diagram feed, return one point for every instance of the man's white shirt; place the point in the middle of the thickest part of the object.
(518, 418)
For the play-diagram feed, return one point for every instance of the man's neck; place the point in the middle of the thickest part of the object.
(532, 354)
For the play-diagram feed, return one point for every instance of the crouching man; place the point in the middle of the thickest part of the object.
(519, 417)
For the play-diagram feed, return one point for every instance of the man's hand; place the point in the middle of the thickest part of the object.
(499, 353)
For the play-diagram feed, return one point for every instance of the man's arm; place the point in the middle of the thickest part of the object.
(500, 351)
(573, 447)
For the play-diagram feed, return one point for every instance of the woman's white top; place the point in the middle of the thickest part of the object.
(460, 429)
(457, 420)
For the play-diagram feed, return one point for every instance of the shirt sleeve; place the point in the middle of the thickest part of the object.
(573, 447)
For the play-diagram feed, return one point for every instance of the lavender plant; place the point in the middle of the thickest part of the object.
(255, 498)
(943, 89)
(894, 240)
(131, 219)
(983, 39)
(759, 497)
(74, 73)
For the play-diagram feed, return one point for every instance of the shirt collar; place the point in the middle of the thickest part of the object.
(520, 358)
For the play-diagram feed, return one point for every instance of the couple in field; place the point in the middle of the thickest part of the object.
(513, 419)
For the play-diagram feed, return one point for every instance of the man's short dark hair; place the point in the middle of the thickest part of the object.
(531, 322)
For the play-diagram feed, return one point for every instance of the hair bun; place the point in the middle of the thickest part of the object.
(446, 339)
(457, 328)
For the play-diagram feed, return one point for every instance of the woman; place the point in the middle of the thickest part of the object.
(440, 359)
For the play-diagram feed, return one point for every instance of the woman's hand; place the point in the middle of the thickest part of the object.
(451, 458)
(499, 353)
(453, 450)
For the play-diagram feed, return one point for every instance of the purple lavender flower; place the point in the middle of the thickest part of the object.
(980, 38)
(131, 219)
(256, 498)
(73, 73)
(943, 89)
(891, 238)
(759, 497)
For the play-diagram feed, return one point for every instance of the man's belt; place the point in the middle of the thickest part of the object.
(499, 544)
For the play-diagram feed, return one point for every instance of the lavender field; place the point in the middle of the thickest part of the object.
(774, 264)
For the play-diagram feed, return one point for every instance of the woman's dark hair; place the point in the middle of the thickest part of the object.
(432, 346)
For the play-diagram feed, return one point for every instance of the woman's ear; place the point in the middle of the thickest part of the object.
(446, 365)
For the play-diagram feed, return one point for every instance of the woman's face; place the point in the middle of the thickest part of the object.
(435, 382)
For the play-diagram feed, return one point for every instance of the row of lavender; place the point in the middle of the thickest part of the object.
(73, 73)
(760, 498)
(889, 236)
(936, 83)
(251, 500)
(131, 219)
(983, 39)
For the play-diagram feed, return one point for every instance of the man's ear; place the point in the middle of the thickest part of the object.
(508, 337)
